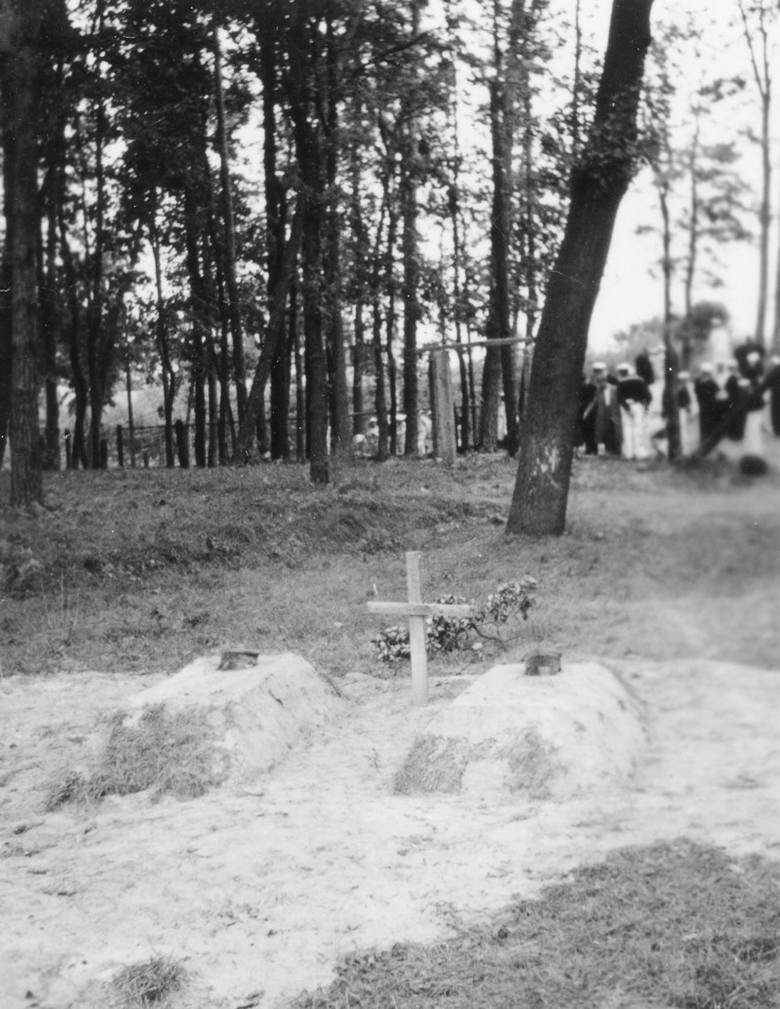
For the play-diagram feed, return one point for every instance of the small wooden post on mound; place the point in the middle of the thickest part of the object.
(416, 611)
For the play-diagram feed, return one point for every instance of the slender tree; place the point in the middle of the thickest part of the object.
(226, 193)
(756, 19)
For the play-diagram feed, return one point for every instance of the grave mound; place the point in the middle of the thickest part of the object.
(534, 737)
(248, 718)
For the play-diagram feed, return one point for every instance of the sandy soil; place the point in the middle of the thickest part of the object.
(259, 891)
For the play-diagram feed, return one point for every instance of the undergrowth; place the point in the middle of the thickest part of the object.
(676, 925)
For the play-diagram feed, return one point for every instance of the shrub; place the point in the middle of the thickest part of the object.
(509, 603)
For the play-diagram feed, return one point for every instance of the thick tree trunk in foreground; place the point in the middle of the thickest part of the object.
(598, 184)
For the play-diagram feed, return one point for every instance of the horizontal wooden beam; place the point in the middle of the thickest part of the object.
(421, 609)
(497, 341)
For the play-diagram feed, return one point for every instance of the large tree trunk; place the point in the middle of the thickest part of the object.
(599, 182)
(20, 30)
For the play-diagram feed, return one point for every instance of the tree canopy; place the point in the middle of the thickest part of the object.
(267, 210)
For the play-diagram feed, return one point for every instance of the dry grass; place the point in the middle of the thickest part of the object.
(438, 763)
(172, 753)
(149, 983)
(675, 925)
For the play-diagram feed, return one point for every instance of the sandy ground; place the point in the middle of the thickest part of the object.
(259, 891)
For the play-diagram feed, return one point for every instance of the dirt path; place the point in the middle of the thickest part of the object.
(260, 892)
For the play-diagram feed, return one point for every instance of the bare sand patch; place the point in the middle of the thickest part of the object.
(257, 890)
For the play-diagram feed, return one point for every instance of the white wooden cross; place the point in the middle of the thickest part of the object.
(416, 611)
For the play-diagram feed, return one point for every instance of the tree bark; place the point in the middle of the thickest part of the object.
(599, 181)
(236, 329)
(670, 355)
(274, 335)
(50, 326)
(161, 335)
(341, 427)
(20, 33)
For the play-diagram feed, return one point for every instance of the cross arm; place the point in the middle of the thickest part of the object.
(421, 609)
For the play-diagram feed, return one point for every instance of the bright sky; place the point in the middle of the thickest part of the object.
(629, 293)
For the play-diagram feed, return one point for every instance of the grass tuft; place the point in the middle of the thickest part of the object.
(670, 925)
(148, 983)
(174, 754)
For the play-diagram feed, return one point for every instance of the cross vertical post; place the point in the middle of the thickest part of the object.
(417, 646)
(416, 612)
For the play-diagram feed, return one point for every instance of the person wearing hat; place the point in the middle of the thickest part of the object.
(707, 393)
(634, 398)
(600, 412)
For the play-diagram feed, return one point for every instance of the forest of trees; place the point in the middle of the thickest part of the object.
(269, 208)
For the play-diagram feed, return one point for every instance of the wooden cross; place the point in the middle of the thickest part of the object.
(416, 611)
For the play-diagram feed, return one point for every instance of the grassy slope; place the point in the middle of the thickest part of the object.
(146, 569)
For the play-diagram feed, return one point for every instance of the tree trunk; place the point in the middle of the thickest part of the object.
(97, 348)
(197, 347)
(19, 44)
(764, 219)
(599, 182)
(274, 336)
(392, 364)
(275, 208)
(411, 260)
(314, 348)
(776, 327)
(411, 276)
(5, 289)
(130, 415)
(78, 452)
(498, 323)
(300, 393)
(161, 335)
(380, 395)
(341, 427)
(670, 355)
(236, 330)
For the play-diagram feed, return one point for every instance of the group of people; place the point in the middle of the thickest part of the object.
(614, 410)
(724, 401)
